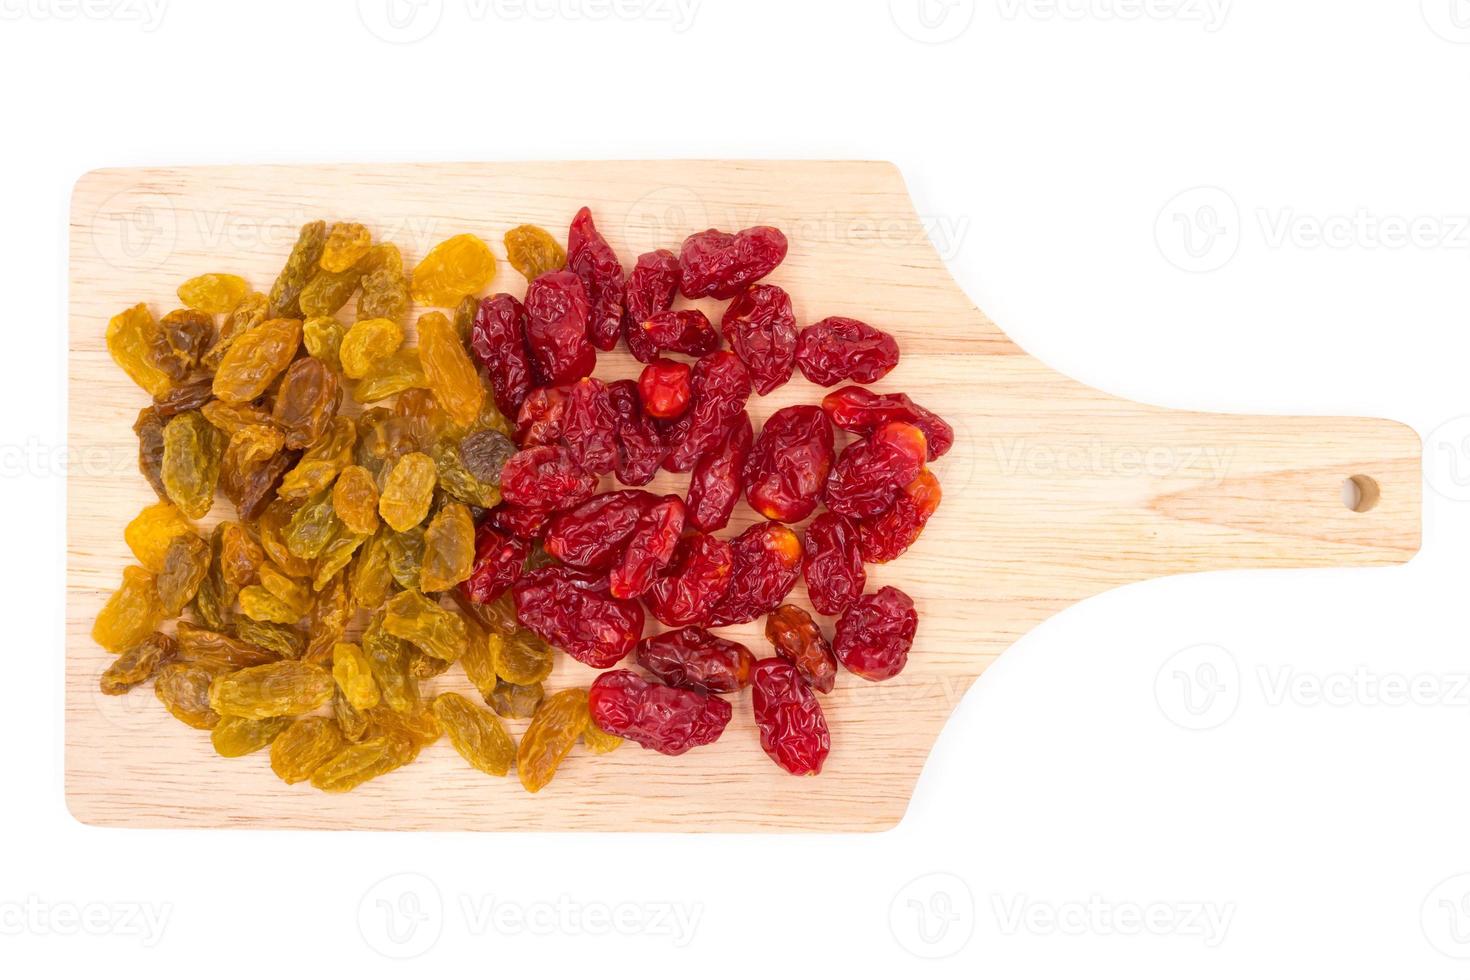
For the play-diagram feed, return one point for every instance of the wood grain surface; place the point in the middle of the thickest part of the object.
(1053, 492)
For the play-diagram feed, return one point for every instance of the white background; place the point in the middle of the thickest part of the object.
(1071, 820)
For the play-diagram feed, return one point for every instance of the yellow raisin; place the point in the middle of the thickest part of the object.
(302, 748)
(356, 764)
(554, 729)
(300, 266)
(407, 492)
(250, 312)
(599, 741)
(523, 658)
(130, 337)
(451, 374)
(427, 625)
(401, 371)
(257, 602)
(322, 336)
(354, 675)
(214, 292)
(150, 533)
(138, 664)
(192, 452)
(255, 359)
(533, 251)
(355, 499)
(389, 658)
(347, 241)
(453, 269)
(475, 733)
(284, 687)
(449, 548)
(131, 614)
(184, 566)
(369, 578)
(367, 344)
(184, 690)
(234, 737)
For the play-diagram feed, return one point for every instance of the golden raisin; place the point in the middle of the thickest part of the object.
(449, 549)
(347, 241)
(407, 492)
(355, 499)
(367, 344)
(354, 675)
(475, 733)
(214, 292)
(284, 687)
(303, 747)
(554, 729)
(451, 374)
(131, 614)
(532, 251)
(453, 269)
(130, 342)
(255, 359)
(150, 533)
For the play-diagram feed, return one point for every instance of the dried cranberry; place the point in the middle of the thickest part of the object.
(832, 563)
(869, 473)
(789, 463)
(498, 341)
(840, 349)
(591, 535)
(719, 390)
(695, 580)
(498, 560)
(651, 288)
(567, 609)
(521, 522)
(664, 387)
(792, 727)
(593, 260)
(859, 410)
(695, 659)
(540, 419)
(885, 537)
(798, 640)
(589, 426)
(640, 443)
(874, 636)
(649, 549)
(557, 312)
(666, 719)
(717, 480)
(716, 263)
(681, 331)
(761, 328)
(765, 562)
(545, 478)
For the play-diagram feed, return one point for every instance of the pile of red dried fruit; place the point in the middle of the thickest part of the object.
(463, 522)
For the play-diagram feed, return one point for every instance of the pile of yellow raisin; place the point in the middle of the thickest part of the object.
(356, 466)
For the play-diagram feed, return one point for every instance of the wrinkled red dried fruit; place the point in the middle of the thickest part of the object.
(858, 410)
(869, 473)
(695, 580)
(666, 719)
(591, 536)
(720, 388)
(789, 463)
(570, 610)
(525, 523)
(681, 331)
(792, 727)
(593, 260)
(649, 550)
(697, 660)
(765, 561)
(718, 479)
(640, 443)
(539, 422)
(498, 561)
(650, 289)
(498, 341)
(841, 349)
(874, 636)
(761, 329)
(664, 388)
(798, 640)
(716, 263)
(545, 478)
(832, 563)
(885, 537)
(557, 313)
(589, 426)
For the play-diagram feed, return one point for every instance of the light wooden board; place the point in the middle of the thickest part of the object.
(1053, 492)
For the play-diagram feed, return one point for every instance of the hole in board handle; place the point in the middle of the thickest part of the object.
(1360, 494)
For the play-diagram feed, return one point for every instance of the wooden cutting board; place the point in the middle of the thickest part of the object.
(1053, 492)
